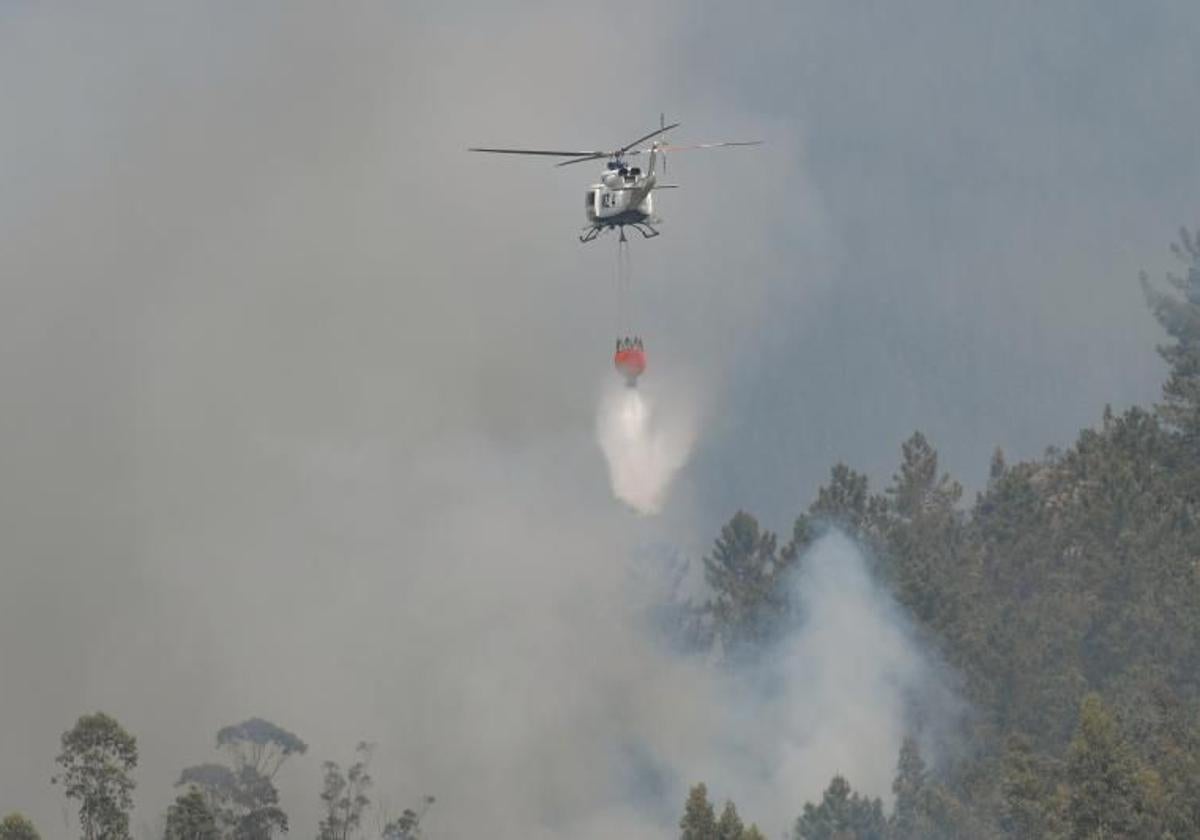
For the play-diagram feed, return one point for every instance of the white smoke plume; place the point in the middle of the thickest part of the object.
(837, 695)
(644, 450)
(630, 724)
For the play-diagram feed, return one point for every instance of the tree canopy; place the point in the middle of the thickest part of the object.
(97, 758)
(17, 827)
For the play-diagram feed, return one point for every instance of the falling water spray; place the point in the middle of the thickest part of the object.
(645, 445)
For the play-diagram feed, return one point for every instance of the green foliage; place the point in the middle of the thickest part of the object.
(259, 744)
(408, 825)
(1069, 574)
(699, 821)
(1109, 795)
(918, 489)
(262, 822)
(923, 536)
(842, 815)
(242, 797)
(97, 758)
(910, 817)
(847, 504)
(1180, 317)
(1168, 731)
(1072, 574)
(216, 779)
(747, 578)
(344, 796)
(404, 827)
(729, 825)
(1029, 807)
(16, 827)
(190, 818)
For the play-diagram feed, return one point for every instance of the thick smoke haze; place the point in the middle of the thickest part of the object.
(300, 399)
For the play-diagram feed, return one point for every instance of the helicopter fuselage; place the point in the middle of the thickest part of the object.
(622, 197)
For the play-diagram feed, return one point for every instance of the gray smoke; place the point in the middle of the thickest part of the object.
(568, 715)
(299, 404)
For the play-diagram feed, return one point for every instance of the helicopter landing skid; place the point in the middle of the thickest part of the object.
(644, 229)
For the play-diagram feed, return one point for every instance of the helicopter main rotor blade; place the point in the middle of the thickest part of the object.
(654, 133)
(539, 152)
(582, 157)
(671, 148)
(586, 158)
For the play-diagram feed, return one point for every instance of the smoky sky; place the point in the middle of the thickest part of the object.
(992, 183)
(299, 397)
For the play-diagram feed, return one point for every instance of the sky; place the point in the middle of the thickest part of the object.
(300, 398)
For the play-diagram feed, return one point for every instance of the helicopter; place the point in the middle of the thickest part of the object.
(624, 194)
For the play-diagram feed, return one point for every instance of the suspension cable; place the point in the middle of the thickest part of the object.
(625, 326)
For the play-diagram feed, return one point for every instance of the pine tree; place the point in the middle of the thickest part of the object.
(1027, 788)
(998, 465)
(924, 533)
(729, 826)
(1180, 317)
(846, 504)
(744, 573)
(842, 815)
(1107, 798)
(910, 814)
(1174, 744)
(918, 488)
(699, 822)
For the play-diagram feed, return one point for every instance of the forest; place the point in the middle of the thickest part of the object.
(1066, 595)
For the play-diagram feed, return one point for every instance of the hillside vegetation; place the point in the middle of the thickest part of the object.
(1066, 594)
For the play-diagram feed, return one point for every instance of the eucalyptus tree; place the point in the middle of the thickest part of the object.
(96, 761)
